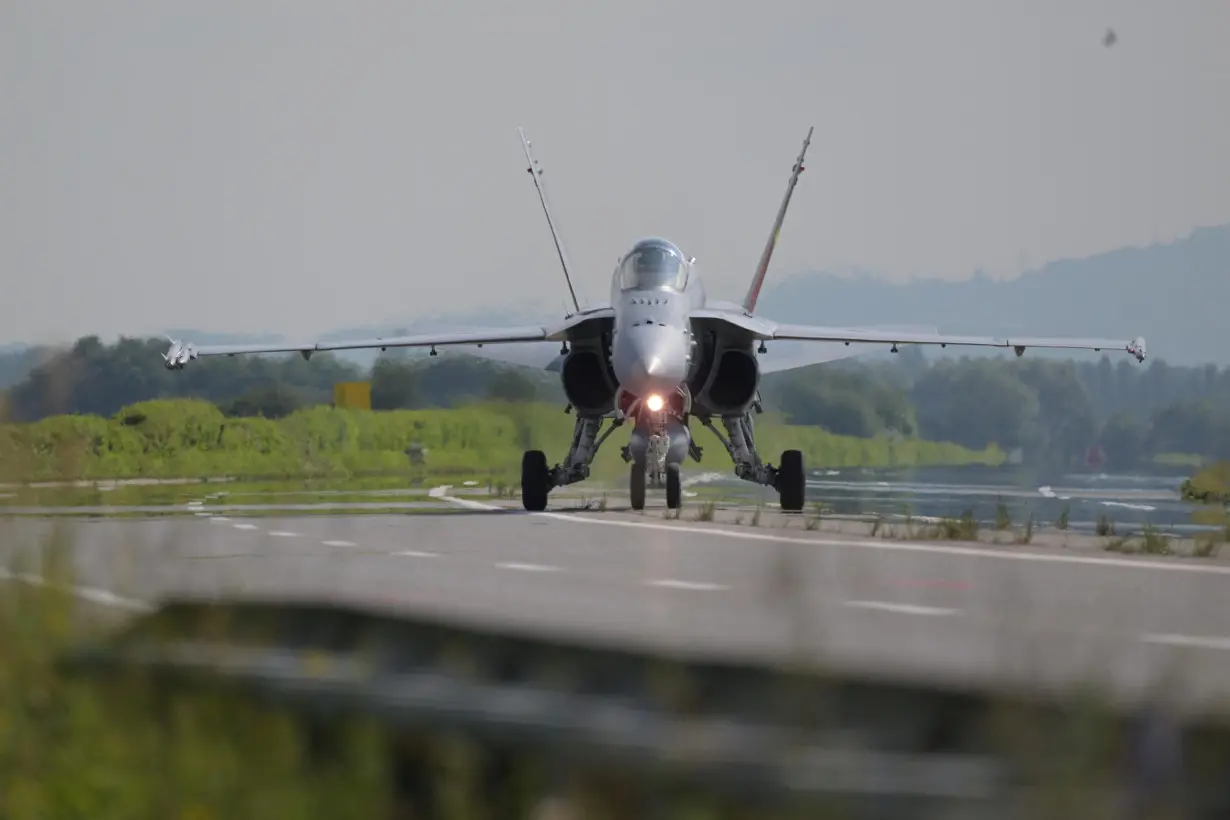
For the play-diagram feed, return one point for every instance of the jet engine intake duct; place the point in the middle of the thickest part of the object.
(586, 381)
(734, 383)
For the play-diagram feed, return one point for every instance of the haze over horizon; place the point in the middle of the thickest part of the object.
(294, 169)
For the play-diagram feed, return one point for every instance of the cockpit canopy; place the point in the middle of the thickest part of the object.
(653, 264)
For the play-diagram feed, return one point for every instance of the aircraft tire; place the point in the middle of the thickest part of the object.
(791, 481)
(535, 480)
(636, 486)
(674, 491)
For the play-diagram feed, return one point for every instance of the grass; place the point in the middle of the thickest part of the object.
(192, 439)
(131, 748)
(1211, 485)
(964, 528)
(1003, 518)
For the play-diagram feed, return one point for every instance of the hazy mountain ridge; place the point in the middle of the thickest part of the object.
(1173, 294)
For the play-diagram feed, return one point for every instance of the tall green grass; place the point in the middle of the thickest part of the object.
(131, 747)
(190, 438)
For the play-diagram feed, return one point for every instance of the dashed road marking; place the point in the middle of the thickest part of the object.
(244, 526)
(94, 595)
(902, 609)
(1192, 641)
(416, 554)
(339, 543)
(528, 567)
(674, 583)
(284, 534)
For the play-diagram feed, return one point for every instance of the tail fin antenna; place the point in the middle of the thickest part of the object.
(753, 293)
(535, 172)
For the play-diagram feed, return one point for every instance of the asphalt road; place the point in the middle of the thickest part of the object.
(964, 613)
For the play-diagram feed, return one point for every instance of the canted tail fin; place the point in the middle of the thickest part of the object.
(535, 172)
(753, 293)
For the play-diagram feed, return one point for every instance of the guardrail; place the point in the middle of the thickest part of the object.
(755, 736)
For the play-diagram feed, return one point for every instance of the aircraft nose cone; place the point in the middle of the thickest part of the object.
(650, 358)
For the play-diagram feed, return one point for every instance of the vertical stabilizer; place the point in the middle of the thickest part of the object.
(753, 293)
(536, 173)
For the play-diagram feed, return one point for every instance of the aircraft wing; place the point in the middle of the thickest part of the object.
(762, 329)
(1020, 344)
(180, 353)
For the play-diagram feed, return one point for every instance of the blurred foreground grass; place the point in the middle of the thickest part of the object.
(132, 748)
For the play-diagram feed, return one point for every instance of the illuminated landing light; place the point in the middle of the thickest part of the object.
(654, 402)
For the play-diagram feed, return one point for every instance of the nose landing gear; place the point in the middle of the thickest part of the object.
(655, 473)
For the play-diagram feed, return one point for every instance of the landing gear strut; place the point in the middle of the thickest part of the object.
(537, 480)
(789, 479)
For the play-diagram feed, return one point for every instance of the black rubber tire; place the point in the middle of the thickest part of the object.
(674, 491)
(792, 481)
(535, 480)
(636, 486)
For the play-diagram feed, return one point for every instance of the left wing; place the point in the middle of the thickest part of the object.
(763, 329)
(180, 353)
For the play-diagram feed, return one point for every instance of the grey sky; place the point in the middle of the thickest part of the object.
(300, 166)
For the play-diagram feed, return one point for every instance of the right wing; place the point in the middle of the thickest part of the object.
(1019, 344)
(762, 329)
(180, 353)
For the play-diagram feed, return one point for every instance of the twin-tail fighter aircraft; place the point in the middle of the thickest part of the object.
(660, 354)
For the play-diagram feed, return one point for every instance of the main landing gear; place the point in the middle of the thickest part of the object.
(655, 458)
(537, 479)
(789, 478)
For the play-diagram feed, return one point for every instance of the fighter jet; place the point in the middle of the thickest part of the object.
(660, 355)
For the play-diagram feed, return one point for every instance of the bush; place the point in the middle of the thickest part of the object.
(192, 438)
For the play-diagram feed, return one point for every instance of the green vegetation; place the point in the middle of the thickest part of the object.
(1211, 485)
(132, 749)
(192, 438)
(1053, 411)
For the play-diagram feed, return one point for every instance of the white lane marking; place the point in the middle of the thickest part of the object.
(1188, 640)
(473, 505)
(220, 519)
(1005, 554)
(92, 594)
(416, 554)
(244, 526)
(284, 534)
(672, 583)
(528, 567)
(203, 514)
(339, 543)
(902, 609)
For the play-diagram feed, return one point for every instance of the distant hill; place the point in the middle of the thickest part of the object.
(1176, 295)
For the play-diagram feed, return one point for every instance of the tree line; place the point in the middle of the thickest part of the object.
(1052, 410)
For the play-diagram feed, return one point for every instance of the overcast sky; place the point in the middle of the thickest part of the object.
(305, 165)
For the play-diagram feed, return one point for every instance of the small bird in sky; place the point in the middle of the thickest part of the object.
(1110, 39)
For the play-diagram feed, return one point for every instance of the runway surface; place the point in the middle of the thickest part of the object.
(961, 613)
